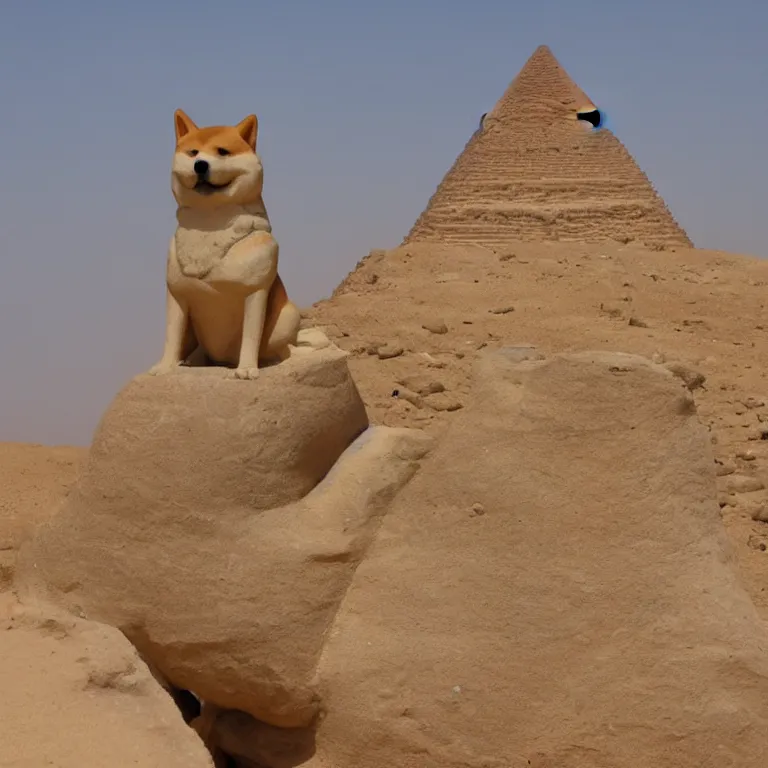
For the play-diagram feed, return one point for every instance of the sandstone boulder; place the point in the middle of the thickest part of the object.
(75, 694)
(588, 618)
(199, 436)
(208, 527)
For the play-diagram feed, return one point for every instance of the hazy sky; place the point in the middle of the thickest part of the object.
(363, 107)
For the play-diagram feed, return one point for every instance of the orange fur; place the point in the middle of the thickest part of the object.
(235, 139)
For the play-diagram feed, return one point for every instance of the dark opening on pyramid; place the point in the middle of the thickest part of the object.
(542, 166)
(592, 116)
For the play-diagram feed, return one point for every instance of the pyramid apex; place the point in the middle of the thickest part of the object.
(542, 79)
(543, 53)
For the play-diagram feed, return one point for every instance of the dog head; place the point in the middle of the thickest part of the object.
(216, 165)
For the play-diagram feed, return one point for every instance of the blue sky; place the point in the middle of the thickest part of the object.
(363, 107)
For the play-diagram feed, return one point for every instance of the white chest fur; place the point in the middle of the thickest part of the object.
(203, 237)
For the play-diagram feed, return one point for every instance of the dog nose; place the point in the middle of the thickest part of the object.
(201, 167)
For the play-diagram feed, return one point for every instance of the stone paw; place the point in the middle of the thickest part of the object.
(246, 373)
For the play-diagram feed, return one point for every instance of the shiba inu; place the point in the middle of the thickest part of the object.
(225, 302)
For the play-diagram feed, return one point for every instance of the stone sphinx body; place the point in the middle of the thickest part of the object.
(226, 304)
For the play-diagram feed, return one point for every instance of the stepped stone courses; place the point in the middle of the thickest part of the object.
(532, 171)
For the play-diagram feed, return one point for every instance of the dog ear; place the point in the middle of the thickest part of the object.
(184, 124)
(248, 129)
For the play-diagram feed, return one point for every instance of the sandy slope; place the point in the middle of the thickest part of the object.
(705, 309)
(33, 479)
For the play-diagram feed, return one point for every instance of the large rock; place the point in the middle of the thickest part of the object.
(199, 436)
(552, 590)
(75, 694)
(200, 527)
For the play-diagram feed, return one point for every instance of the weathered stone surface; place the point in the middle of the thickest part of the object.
(75, 694)
(208, 527)
(590, 616)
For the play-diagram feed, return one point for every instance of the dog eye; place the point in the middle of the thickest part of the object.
(192, 152)
(223, 152)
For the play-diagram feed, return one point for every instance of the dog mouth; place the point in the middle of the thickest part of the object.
(204, 187)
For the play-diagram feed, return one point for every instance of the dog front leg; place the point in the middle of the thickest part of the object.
(253, 328)
(175, 334)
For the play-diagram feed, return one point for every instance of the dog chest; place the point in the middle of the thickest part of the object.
(198, 251)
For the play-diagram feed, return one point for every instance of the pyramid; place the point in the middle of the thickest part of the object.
(534, 171)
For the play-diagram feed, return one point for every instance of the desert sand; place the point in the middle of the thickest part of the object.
(542, 540)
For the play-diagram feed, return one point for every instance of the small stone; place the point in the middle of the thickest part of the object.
(723, 468)
(726, 500)
(435, 326)
(637, 322)
(423, 385)
(753, 402)
(746, 456)
(691, 378)
(502, 310)
(507, 256)
(659, 358)
(759, 513)
(744, 484)
(410, 397)
(389, 351)
(443, 402)
(477, 509)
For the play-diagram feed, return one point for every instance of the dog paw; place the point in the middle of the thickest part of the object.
(161, 368)
(246, 373)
